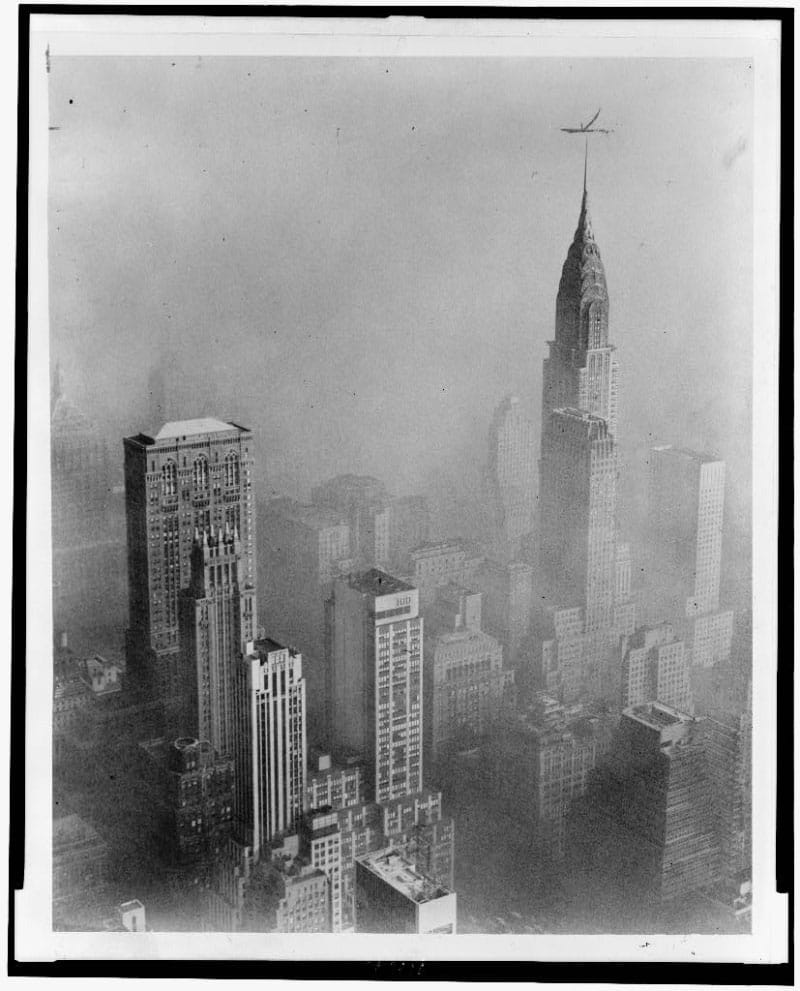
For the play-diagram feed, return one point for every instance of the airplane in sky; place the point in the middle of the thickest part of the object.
(587, 128)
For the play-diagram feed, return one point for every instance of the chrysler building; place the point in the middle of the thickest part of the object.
(580, 371)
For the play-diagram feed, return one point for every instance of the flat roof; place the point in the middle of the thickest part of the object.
(687, 453)
(658, 714)
(376, 582)
(393, 867)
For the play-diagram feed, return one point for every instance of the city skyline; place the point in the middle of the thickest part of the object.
(370, 658)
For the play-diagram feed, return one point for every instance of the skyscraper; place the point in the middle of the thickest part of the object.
(270, 743)
(583, 597)
(216, 613)
(687, 495)
(510, 478)
(578, 513)
(375, 658)
(581, 370)
(193, 474)
(647, 821)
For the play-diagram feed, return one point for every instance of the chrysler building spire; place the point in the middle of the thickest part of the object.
(580, 371)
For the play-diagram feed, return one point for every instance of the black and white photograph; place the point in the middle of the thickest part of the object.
(403, 401)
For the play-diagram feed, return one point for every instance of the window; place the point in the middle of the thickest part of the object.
(169, 479)
(231, 470)
(200, 474)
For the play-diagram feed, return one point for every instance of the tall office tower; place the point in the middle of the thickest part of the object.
(647, 821)
(270, 743)
(435, 564)
(510, 478)
(466, 686)
(194, 474)
(375, 657)
(729, 748)
(687, 494)
(300, 551)
(364, 503)
(392, 896)
(507, 604)
(215, 614)
(580, 371)
(578, 514)
(654, 669)
(88, 529)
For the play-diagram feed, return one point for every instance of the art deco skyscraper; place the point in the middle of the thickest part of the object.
(214, 612)
(580, 370)
(510, 477)
(583, 597)
(578, 513)
(375, 659)
(194, 474)
(270, 743)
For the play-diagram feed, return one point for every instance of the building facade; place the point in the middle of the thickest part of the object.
(392, 896)
(375, 655)
(654, 669)
(216, 615)
(270, 743)
(466, 685)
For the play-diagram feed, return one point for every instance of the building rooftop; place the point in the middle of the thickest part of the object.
(376, 582)
(687, 454)
(191, 428)
(397, 870)
(658, 715)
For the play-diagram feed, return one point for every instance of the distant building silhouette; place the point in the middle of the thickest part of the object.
(510, 478)
(687, 495)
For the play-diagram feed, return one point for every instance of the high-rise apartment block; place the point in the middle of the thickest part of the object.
(654, 669)
(510, 478)
(466, 684)
(687, 494)
(392, 896)
(375, 657)
(270, 743)
(216, 613)
(194, 474)
(647, 821)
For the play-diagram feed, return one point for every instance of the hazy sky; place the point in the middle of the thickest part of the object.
(359, 258)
